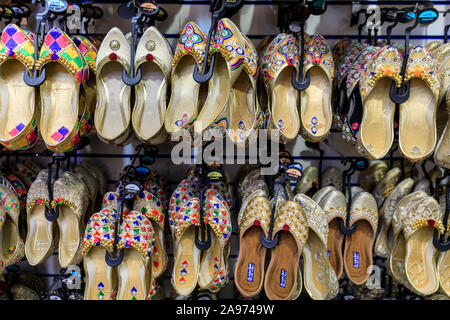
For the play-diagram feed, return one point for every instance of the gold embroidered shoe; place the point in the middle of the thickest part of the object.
(386, 185)
(99, 175)
(63, 91)
(417, 127)
(309, 181)
(376, 131)
(253, 220)
(334, 206)
(19, 111)
(42, 234)
(320, 279)
(101, 279)
(443, 265)
(418, 228)
(370, 177)
(69, 198)
(442, 153)
(382, 244)
(332, 176)
(11, 246)
(358, 246)
(442, 56)
(185, 91)
(319, 195)
(281, 282)
(112, 114)
(315, 106)
(154, 57)
(283, 98)
(90, 183)
(228, 46)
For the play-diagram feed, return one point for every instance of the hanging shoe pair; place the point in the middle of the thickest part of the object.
(314, 120)
(417, 126)
(69, 199)
(114, 117)
(132, 278)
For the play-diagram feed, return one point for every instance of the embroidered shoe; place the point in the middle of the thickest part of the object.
(19, 109)
(442, 153)
(372, 175)
(309, 181)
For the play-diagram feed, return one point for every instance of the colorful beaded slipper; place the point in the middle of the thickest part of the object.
(315, 104)
(332, 176)
(309, 181)
(320, 280)
(282, 273)
(253, 220)
(283, 98)
(229, 47)
(154, 57)
(417, 131)
(382, 244)
(418, 229)
(89, 52)
(63, 91)
(214, 264)
(101, 279)
(32, 165)
(20, 109)
(370, 177)
(184, 216)
(113, 111)
(11, 244)
(25, 174)
(137, 239)
(185, 91)
(358, 247)
(334, 206)
(42, 235)
(69, 198)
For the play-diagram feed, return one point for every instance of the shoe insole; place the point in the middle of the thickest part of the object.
(417, 132)
(148, 117)
(358, 252)
(113, 98)
(316, 107)
(69, 235)
(420, 266)
(183, 104)
(242, 108)
(249, 272)
(9, 240)
(17, 97)
(316, 267)
(99, 275)
(60, 103)
(397, 259)
(335, 240)
(281, 275)
(442, 153)
(378, 119)
(91, 95)
(219, 91)
(444, 272)
(210, 264)
(39, 236)
(134, 277)
(284, 105)
(186, 263)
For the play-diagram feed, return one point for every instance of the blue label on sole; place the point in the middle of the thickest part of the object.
(329, 254)
(356, 260)
(283, 276)
(250, 272)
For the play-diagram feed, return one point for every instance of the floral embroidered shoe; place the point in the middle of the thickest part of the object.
(315, 105)
(185, 91)
(418, 228)
(69, 198)
(376, 131)
(89, 52)
(154, 57)
(319, 277)
(63, 91)
(417, 131)
(11, 246)
(281, 282)
(19, 110)
(358, 247)
(137, 239)
(283, 97)
(42, 234)
(101, 279)
(229, 61)
(214, 264)
(334, 206)
(309, 181)
(253, 220)
(113, 111)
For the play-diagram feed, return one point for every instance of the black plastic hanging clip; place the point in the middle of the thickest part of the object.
(53, 214)
(302, 14)
(202, 233)
(439, 242)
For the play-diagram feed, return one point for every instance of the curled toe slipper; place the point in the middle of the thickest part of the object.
(309, 181)
(370, 177)
(319, 195)
(385, 186)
